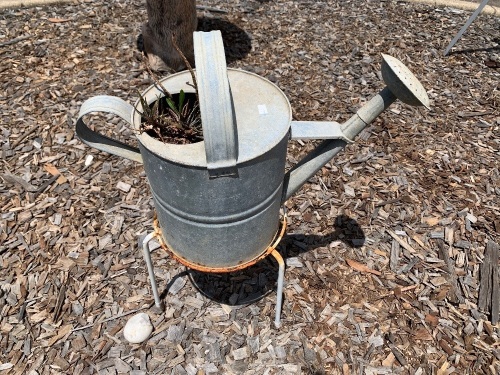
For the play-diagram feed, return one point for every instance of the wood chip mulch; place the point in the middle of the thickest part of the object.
(392, 249)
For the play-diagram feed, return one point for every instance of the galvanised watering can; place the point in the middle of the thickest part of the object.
(218, 200)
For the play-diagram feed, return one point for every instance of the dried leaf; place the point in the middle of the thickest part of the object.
(58, 20)
(51, 169)
(431, 221)
(361, 267)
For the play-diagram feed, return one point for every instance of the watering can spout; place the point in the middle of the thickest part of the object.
(401, 84)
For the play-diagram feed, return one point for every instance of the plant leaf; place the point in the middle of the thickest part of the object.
(171, 104)
(182, 96)
(144, 105)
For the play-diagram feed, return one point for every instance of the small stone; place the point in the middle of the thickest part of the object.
(138, 328)
(123, 186)
(88, 160)
(241, 353)
(77, 308)
(294, 262)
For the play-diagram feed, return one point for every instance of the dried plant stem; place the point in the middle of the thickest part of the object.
(160, 119)
(188, 65)
(154, 77)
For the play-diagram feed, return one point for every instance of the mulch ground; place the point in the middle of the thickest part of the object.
(391, 248)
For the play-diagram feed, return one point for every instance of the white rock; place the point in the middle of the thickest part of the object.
(138, 328)
(88, 160)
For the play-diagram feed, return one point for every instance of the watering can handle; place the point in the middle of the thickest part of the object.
(107, 104)
(216, 106)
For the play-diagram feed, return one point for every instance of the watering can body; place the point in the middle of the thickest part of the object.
(225, 222)
(221, 223)
(218, 201)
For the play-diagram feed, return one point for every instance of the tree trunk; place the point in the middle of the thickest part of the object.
(167, 19)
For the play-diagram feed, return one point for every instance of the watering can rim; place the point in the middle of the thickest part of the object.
(194, 154)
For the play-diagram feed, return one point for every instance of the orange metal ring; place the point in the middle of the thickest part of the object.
(198, 267)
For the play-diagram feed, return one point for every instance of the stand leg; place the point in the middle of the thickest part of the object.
(467, 24)
(279, 292)
(147, 258)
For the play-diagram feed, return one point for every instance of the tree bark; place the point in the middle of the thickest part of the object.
(169, 19)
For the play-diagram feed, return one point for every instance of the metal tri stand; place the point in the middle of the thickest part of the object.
(275, 253)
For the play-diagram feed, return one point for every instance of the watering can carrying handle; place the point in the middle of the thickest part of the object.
(107, 104)
(216, 104)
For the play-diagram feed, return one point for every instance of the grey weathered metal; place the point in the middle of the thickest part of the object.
(403, 84)
(464, 27)
(213, 221)
(217, 116)
(218, 201)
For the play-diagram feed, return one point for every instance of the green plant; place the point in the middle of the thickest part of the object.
(184, 114)
(172, 118)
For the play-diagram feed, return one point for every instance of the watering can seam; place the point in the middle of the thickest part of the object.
(229, 219)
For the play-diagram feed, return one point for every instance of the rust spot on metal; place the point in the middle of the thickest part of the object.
(202, 268)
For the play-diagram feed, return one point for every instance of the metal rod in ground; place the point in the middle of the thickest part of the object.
(464, 27)
(147, 258)
(279, 292)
